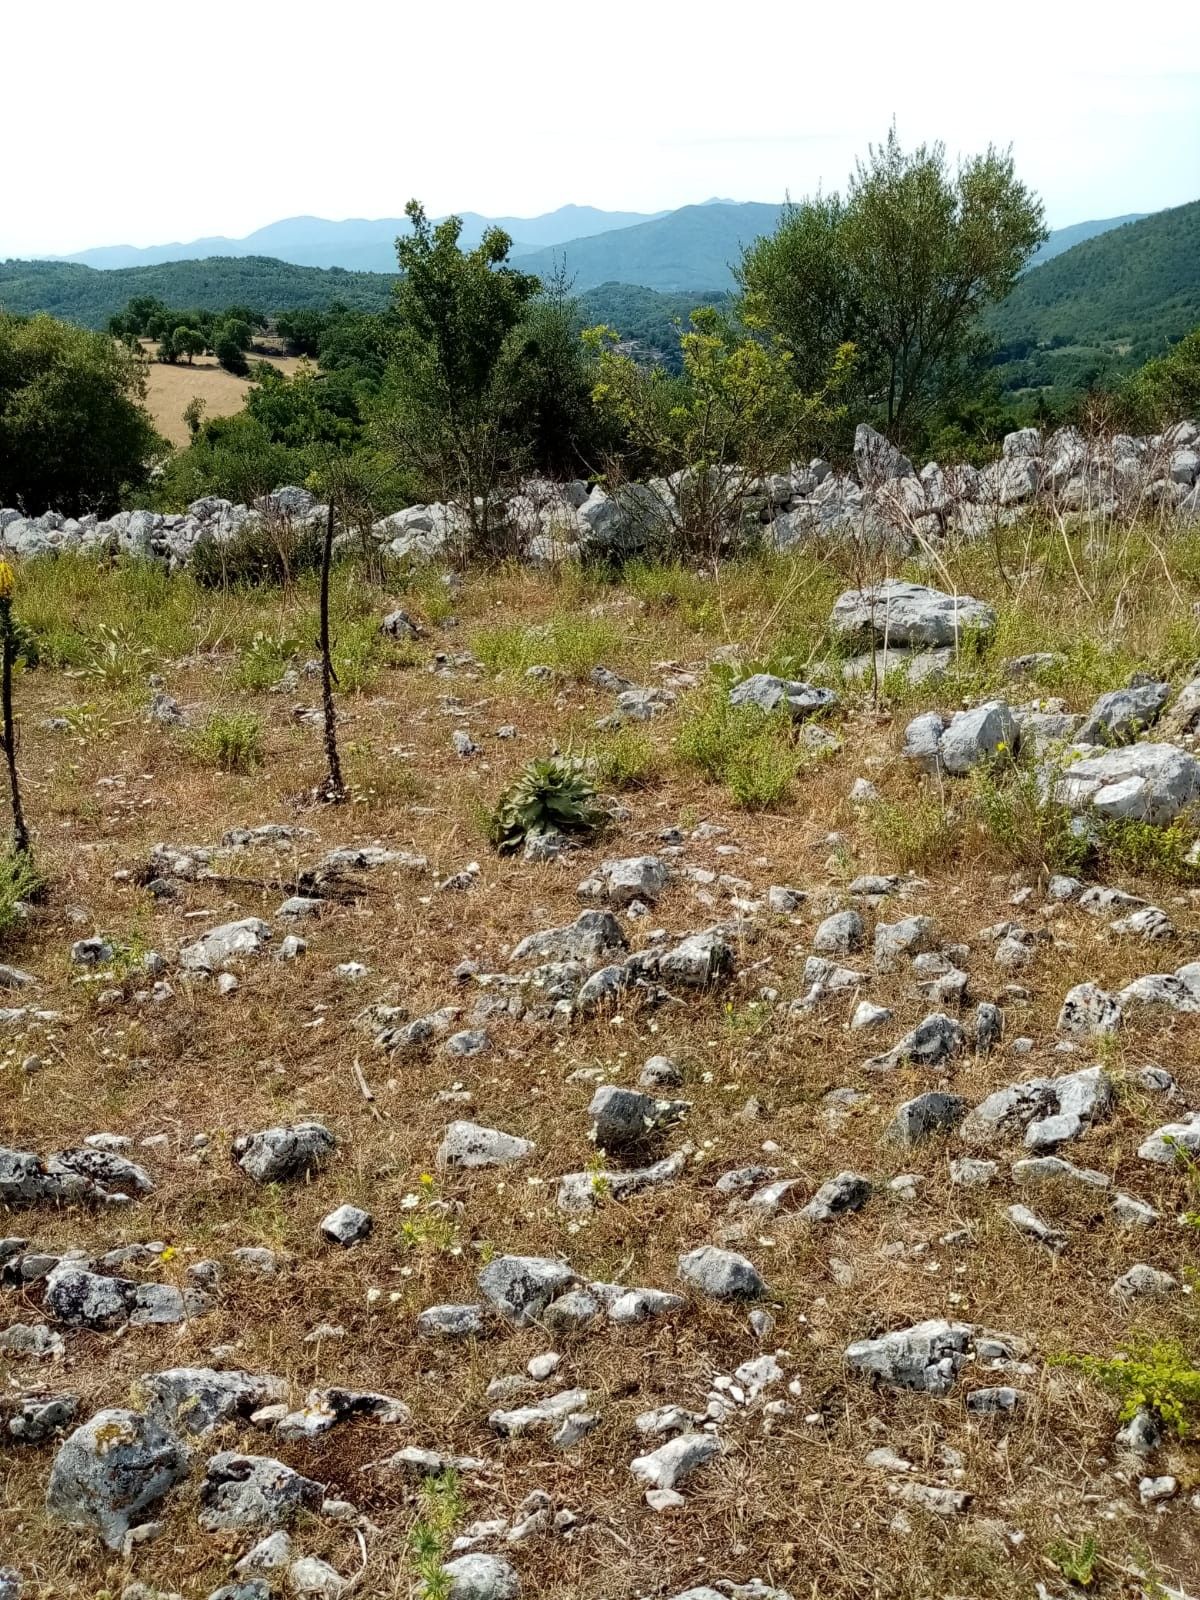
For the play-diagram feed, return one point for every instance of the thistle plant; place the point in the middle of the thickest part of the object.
(8, 650)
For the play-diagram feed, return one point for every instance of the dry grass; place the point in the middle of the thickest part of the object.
(790, 1501)
(170, 388)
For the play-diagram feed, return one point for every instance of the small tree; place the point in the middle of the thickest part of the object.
(187, 342)
(442, 408)
(73, 428)
(902, 268)
(193, 415)
(230, 353)
(333, 790)
(734, 415)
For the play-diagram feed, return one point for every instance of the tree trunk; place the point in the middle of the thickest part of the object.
(334, 788)
(20, 831)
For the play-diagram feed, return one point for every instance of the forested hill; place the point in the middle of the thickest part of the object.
(693, 249)
(86, 295)
(1107, 304)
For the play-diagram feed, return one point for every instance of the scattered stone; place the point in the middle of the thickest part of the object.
(849, 1191)
(466, 1145)
(275, 1155)
(253, 1493)
(675, 1461)
(622, 1118)
(521, 1287)
(347, 1225)
(721, 1275)
(928, 1114)
(839, 934)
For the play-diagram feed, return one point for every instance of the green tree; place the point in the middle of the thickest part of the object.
(187, 342)
(73, 428)
(545, 382)
(1166, 389)
(902, 268)
(442, 409)
(735, 414)
(231, 340)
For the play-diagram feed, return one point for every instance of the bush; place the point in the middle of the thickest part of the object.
(915, 834)
(744, 748)
(231, 741)
(1159, 1376)
(571, 645)
(1022, 822)
(19, 883)
(627, 760)
(275, 550)
(73, 430)
(263, 661)
(552, 792)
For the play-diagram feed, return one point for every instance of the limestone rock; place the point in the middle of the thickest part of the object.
(112, 1471)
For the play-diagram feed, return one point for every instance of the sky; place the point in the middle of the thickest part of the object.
(150, 121)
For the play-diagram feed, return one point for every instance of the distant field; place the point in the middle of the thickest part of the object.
(170, 388)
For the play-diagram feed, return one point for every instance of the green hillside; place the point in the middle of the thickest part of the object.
(1103, 307)
(86, 295)
(690, 250)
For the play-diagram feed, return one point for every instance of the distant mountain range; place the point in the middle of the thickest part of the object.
(688, 249)
(1101, 298)
(360, 245)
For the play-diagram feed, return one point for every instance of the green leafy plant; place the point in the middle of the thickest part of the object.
(230, 741)
(1160, 1376)
(1076, 1560)
(550, 792)
(20, 883)
(748, 750)
(116, 657)
(264, 660)
(915, 833)
(1022, 821)
(627, 760)
(442, 1505)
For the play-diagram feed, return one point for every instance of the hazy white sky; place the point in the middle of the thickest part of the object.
(147, 121)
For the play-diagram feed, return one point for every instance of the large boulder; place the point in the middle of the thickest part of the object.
(909, 614)
(876, 458)
(1146, 782)
(521, 1287)
(926, 1356)
(255, 1493)
(975, 735)
(231, 941)
(112, 1471)
(198, 1399)
(1119, 716)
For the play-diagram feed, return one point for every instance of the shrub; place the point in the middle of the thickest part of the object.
(915, 834)
(1128, 845)
(231, 741)
(572, 645)
(1021, 820)
(628, 760)
(744, 748)
(552, 792)
(275, 550)
(1159, 1376)
(19, 883)
(264, 660)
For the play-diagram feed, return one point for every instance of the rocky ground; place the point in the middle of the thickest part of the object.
(704, 1210)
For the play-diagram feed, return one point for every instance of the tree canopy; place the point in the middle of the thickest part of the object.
(73, 430)
(903, 268)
